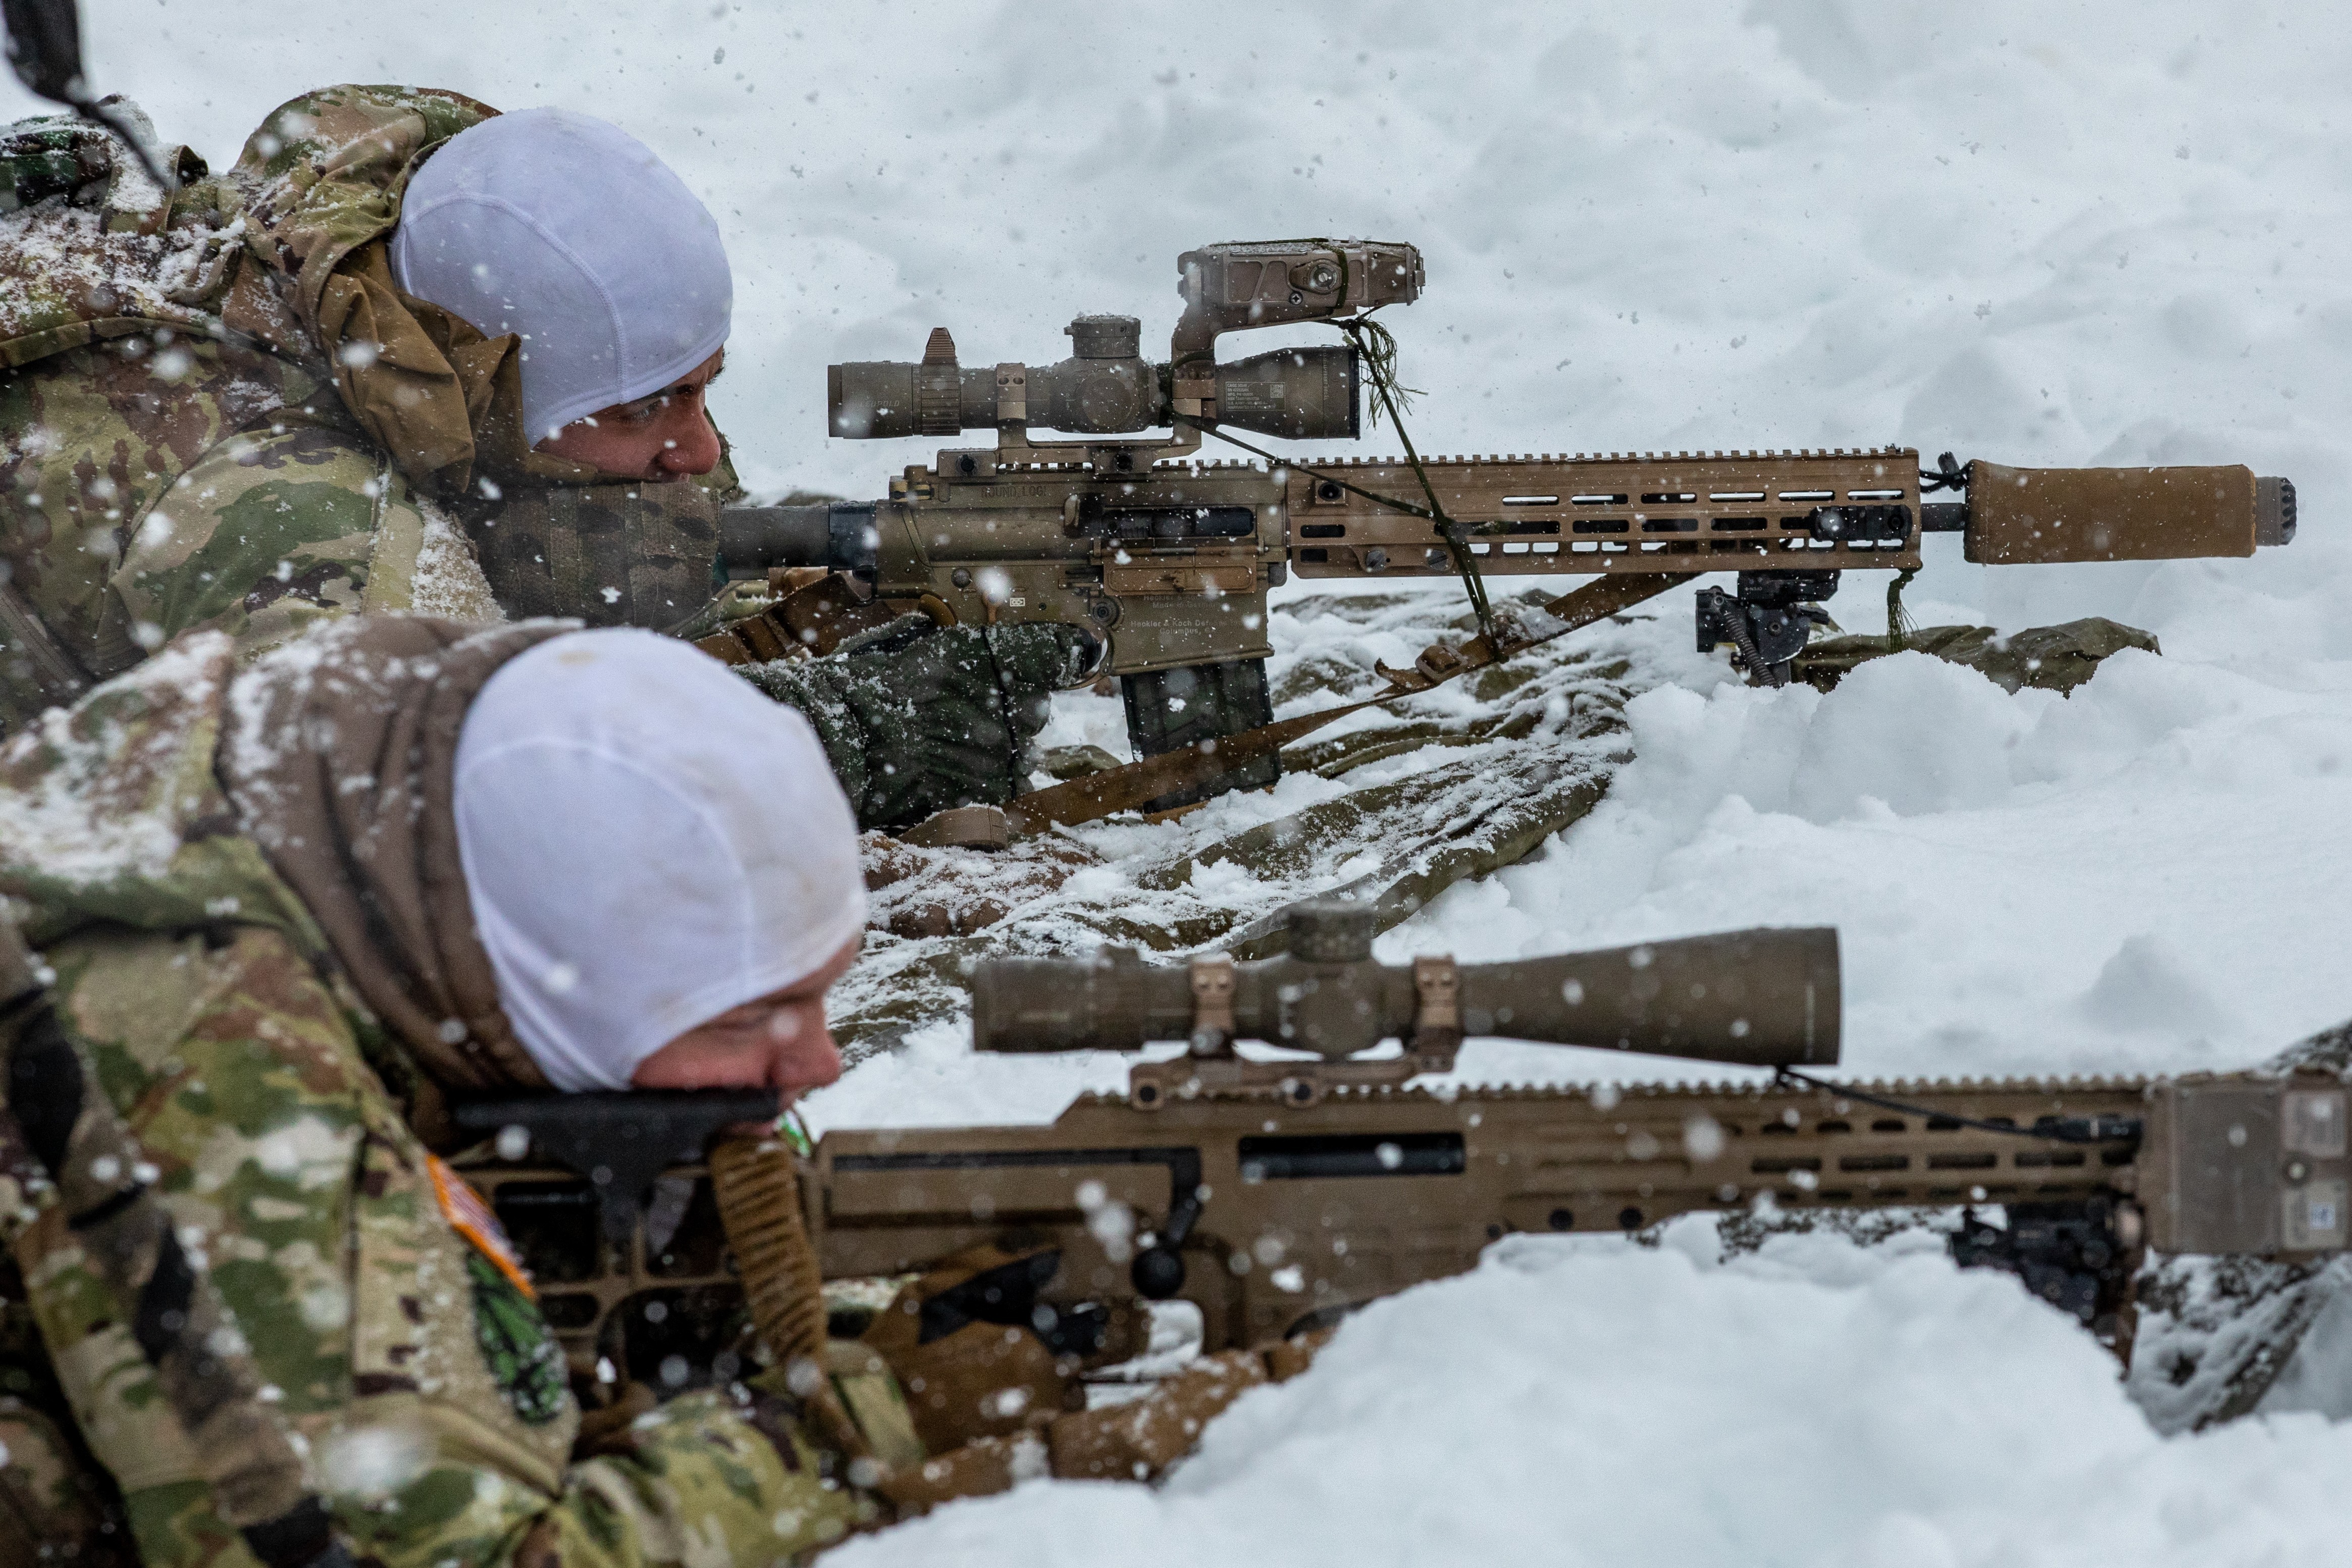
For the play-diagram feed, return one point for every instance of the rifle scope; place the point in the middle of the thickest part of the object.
(1760, 998)
(1105, 387)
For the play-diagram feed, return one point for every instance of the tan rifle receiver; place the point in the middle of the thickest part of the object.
(1280, 1193)
(1167, 558)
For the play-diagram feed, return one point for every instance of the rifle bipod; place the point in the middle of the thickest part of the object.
(1767, 621)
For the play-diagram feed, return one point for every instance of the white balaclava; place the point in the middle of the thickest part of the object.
(648, 842)
(571, 234)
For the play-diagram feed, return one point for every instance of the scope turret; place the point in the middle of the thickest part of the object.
(1761, 998)
(1106, 386)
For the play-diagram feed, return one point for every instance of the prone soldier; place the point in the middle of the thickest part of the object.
(409, 354)
(291, 917)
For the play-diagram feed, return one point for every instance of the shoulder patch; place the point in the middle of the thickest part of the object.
(524, 1358)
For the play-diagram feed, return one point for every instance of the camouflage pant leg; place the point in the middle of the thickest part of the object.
(55, 1510)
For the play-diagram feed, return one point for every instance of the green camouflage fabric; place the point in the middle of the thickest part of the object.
(46, 1500)
(427, 1390)
(160, 470)
(179, 451)
(52, 1493)
(95, 249)
(615, 553)
(2049, 658)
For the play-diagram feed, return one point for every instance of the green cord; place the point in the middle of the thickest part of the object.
(1898, 624)
(795, 1133)
(1380, 359)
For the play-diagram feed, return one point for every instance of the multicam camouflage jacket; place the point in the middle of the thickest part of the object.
(217, 410)
(411, 1358)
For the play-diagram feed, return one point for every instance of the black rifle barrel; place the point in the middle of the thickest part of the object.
(838, 535)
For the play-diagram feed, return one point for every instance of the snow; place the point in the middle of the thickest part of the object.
(2037, 233)
(2137, 875)
(1582, 1403)
(56, 260)
(106, 800)
(447, 579)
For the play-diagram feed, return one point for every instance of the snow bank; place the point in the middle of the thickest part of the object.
(2135, 876)
(1590, 1402)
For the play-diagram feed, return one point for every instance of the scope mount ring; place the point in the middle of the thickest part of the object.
(1014, 446)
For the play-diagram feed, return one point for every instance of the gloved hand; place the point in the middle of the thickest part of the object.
(979, 1356)
(916, 718)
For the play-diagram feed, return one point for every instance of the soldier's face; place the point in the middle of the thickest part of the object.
(667, 435)
(778, 1041)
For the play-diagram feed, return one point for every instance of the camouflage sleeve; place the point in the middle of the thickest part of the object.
(51, 1510)
(268, 532)
(417, 1369)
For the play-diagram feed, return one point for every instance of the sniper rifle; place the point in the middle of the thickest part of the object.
(1277, 1194)
(1169, 557)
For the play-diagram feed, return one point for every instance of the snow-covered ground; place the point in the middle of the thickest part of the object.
(2034, 232)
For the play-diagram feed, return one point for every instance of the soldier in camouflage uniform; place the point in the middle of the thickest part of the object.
(269, 961)
(179, 453)
(225, 1027)
(219, 410)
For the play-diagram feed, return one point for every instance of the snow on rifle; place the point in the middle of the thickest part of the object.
(1169, 557)
(1278, 1192)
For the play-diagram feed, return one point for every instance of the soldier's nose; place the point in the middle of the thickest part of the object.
(811, 1061)
(692, 448)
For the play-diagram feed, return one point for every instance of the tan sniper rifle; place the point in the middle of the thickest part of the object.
(1169, 557)
(1277, 1194)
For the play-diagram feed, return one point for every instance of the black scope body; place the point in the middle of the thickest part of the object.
(1106, 387)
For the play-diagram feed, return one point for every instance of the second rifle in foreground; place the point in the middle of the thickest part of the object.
(1278, 1192)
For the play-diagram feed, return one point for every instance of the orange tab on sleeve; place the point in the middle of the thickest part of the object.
(472, 1218)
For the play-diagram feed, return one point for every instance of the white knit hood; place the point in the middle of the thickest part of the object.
(648, 843)
(571, 234)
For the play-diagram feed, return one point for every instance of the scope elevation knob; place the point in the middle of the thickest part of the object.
(1331, 930)
(1105, 337)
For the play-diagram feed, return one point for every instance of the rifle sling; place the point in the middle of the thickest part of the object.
(1097, 796)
